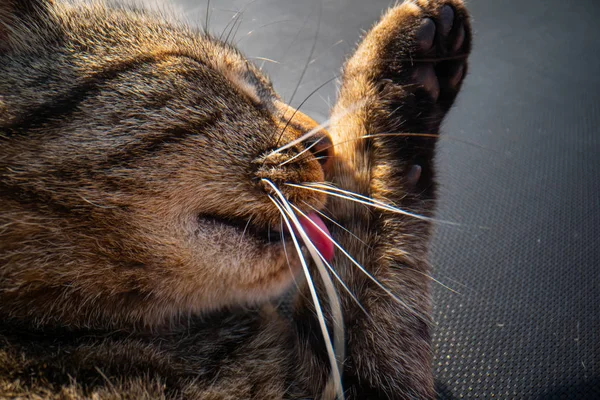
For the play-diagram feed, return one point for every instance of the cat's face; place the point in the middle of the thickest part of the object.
(133, 167)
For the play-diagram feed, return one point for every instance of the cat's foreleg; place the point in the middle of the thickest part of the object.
(395, 91)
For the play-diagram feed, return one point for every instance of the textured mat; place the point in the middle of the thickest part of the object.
(526, 324)
(519, 169)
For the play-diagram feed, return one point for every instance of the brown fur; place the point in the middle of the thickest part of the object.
(128, 142)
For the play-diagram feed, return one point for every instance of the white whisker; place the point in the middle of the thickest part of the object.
(287, 259)
(426, 135)
(436, 281)
(302, 152)
(287, 216)
(339, 279)
(316, 129)
(260, 27)
(373, 201)
(264, 59)
(386, 290)
(302, 138)
(245, 229)
(357, 238)
(358, 198)
(337, 353)
(322, 214)
(327, 51)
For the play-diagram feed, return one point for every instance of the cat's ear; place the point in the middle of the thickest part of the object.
(16, 13)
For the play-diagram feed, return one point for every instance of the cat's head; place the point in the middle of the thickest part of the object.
(133, 159)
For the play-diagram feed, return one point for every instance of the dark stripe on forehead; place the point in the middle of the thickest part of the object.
(67, 103)
(149, 146)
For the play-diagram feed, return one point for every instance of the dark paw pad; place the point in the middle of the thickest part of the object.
(440, 45)
(426, 64)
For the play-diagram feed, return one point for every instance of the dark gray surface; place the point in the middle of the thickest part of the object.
(519, 169)
(527, 322)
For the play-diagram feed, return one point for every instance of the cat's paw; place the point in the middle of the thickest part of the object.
(426, 47)
(408, 70)
(438, 57)
(417, 58)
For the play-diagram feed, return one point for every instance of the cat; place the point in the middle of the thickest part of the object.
(153, 185)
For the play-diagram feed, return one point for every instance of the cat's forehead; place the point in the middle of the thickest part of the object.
(151, 32)
(98, 35)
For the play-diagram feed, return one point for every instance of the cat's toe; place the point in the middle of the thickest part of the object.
(441, 42)
(452, 28)
(459, 37)
(446, 19)
(425, 35)
(426, 77)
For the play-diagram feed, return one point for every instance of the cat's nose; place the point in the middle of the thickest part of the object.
(318, 141)
(321, 147)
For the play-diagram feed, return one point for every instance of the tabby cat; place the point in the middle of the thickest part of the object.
(154, 189)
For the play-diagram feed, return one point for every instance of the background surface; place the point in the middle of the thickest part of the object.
(519, 170)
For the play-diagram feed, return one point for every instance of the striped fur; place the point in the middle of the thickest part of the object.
(131, 156)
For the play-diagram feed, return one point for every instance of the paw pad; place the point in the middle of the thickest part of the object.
(439, 57)
(426, 35)
(446, 20)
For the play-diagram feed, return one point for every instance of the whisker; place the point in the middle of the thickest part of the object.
(316, 129)
(310, 55)
(331, 269)
(232, 20)
(356, 237)
(245, 229)
(295, 39)
(235, 27)
(327, 50)
(260, 27)
(302, 152)
(312, 50)
(436, 281)
(465, 286)
(264, 59)
(368, 201)
(428, 60)
(302, 138)
(207, 17)
(404, 134)
(326, 101)
(287, 259)
(287, 215)
(235, 18)
(400, 134)
(366, 198)
(429, 135)
(339, 279)
(300, 106)
(322, 214)
(337, 359)
(362, 269)
(387, 207)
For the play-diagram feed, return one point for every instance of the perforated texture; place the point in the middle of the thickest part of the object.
(526, 324)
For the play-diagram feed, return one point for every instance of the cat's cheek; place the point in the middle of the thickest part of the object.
(229, 267)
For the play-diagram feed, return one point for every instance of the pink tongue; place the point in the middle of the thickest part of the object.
(321, 240)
